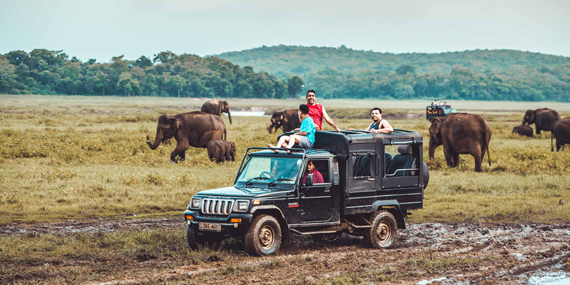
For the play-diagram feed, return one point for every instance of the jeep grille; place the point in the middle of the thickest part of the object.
(217, 206)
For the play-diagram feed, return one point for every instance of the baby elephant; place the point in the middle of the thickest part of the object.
(523, 130)
(220, 150)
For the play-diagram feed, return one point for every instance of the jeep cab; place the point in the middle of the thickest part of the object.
(370, 182)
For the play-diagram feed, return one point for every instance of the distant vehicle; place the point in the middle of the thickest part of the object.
(433, 111)
(365, 191)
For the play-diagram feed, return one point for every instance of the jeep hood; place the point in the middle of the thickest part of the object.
(243, 192)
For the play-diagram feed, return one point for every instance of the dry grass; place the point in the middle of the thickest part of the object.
(80, 157)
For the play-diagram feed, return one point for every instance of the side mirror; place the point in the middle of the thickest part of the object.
(309, 180)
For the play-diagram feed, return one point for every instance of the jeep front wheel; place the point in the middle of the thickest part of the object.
(263, 236)
(384, 230)
(192, 238)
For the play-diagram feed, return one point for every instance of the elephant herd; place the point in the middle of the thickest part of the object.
(461, 133)
(202, 129)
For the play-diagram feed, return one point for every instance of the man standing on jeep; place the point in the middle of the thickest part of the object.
(318, 112)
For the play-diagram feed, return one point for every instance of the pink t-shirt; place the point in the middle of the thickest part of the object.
(317, 177)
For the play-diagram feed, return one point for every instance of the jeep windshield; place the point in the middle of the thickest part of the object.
(271, 170)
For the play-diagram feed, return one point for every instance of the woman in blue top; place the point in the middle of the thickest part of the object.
(305, 138)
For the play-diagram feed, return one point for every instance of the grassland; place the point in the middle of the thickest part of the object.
(86, 157)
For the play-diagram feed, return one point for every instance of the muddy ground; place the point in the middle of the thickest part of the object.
(429, 253)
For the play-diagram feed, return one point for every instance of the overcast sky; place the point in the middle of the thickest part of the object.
(102, 29)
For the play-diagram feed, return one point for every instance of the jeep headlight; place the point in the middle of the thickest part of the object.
(241, 206)
(195, 203)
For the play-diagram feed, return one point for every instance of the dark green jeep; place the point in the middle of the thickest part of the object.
(370, 182)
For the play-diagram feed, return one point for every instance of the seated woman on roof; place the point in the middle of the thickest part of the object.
(378, 125)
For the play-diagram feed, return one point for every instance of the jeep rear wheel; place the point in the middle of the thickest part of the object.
(384, 230)
(263, 236)
(192, 238)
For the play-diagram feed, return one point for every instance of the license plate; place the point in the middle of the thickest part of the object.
(210, 227)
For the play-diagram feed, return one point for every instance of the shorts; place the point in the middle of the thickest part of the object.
(304, 142)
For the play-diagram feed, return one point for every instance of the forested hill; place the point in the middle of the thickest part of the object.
(478, 74)
(167, 74)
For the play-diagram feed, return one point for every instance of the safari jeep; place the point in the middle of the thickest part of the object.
(370, 182)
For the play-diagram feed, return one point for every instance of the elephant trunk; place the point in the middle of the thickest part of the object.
(432, 147)
(270, 129)
(157, 140)
(230, 115)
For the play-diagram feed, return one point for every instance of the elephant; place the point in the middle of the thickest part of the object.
(220, 150)
(460, 133)
(217, 107)
(543, 118)
(560, 131)
(289, 119)
(194, 129)
(523, 130)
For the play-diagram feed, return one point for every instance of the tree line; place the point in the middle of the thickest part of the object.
(167, 74)
(471, 75)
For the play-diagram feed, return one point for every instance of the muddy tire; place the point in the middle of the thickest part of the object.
(384, 230)
(263, 236)
(192, 238)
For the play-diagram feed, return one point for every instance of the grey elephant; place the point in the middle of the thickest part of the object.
(542, 118)
(560, 131)
(523, 130)
(220, 150)
(194, 129)
(217, 107)
(460, 133)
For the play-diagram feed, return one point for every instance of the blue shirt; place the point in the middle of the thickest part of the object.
(308, 126)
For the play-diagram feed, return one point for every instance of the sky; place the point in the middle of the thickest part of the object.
(103, 29)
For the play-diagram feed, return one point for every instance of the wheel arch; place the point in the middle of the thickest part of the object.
(393, 207)
(277, 214)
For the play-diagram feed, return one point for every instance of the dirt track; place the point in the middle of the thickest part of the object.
(442, 253)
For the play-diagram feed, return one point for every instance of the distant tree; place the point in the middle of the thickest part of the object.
(91, 61)
(177, 82)
(143, 62)
(7, 74)
(294, 86)
(127, 84)
(75, 59)
(405, 69)
(18, 57)
(101, 81)
(280, 88)
(164, 57)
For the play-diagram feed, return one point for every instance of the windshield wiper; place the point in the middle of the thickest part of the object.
(255, 178)
(274, 182)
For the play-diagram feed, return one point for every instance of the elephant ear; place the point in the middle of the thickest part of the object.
(174, 122)
(435, 128)
(281, 117)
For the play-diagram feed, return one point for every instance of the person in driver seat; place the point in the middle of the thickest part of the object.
(317, 176)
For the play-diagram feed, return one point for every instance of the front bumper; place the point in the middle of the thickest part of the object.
(227, 227)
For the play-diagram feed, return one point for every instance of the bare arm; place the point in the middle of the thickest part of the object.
(329, 120)
(387, 128)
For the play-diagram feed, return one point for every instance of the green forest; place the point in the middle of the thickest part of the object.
(470, 75)
(167, 74)
(287, 71)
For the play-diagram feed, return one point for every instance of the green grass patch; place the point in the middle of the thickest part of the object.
(76, 157)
